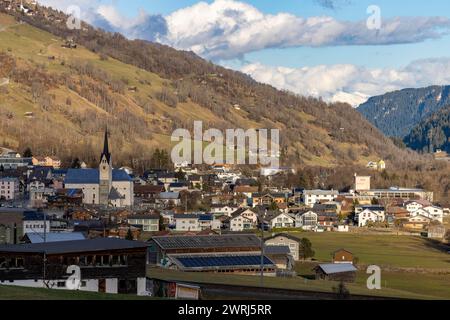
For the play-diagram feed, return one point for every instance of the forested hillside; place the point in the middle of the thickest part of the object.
(431, 134)
(397, 113)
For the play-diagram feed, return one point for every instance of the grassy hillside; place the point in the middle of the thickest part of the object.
(144, 91)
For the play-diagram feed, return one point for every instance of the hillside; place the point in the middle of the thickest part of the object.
(58, 100)
(397, 113)
(432, 133)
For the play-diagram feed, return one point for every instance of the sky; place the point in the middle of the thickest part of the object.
(340, 50)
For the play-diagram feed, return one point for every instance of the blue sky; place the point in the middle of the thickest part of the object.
(312, 47)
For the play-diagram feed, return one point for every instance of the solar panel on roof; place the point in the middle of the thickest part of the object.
(222, 261)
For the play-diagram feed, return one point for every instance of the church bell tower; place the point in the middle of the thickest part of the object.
(105, 172)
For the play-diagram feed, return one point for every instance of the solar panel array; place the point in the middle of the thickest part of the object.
(213, 241)
(223, 261)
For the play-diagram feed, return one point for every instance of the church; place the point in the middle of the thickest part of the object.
(104, 186)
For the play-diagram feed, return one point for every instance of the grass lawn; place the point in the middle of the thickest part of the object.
(22, 293)
(382, 250)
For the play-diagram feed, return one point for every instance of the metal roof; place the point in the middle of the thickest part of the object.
(92, 176)
(277, 250)
(36, 237)
(208, 241)
(99, 244)
(330, 268)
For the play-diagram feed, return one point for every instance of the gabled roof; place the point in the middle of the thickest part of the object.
(285, 235)
(332, 268)
(277, 250)
(35, 237)
(210, 241)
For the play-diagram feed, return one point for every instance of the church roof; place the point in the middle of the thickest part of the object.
(92, 176)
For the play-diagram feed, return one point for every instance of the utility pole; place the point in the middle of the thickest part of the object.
(262, 254)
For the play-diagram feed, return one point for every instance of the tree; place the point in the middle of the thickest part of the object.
(341, 291)
(27, 153)
(76, 164)
(180, 175)
(305, 250)
(273, 206)
(129, 235)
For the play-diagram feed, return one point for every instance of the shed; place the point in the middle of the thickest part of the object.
(336, 272)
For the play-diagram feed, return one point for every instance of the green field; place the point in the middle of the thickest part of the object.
(412, 267)
(383, 250)
(21, 293)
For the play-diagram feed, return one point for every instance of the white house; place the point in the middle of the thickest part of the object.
(9, 188)
(415, 205)
(307, 220)
(35, 222)
(149, 223)
(431, 212)
(282, 220)
(243, 219)
(436, 213)
(311, 197)
(187, 222)
(368, 215)
(223, 209)
(240, 223)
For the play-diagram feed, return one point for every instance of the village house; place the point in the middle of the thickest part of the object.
(187, 222)
(369, 215)
(219, 209)
(418, 222)
(147, 223)
(284, 239)
(280, 220)
(266, 199)
(9, 188)
(35, 222)
(342, 256)
(307, 220)
(311, 197)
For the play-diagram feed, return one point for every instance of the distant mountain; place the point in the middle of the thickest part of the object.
(397, 113)
(432, 133)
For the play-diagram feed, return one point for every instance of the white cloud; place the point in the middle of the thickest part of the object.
(349, 83)
(228, 29)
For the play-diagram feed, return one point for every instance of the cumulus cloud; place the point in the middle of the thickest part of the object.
(350, 83)
(228, 29)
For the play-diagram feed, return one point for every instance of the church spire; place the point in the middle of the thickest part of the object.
(106, 152)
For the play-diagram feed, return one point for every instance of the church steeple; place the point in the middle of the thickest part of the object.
(106, 152)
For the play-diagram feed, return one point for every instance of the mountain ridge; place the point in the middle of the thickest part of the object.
(397, 113)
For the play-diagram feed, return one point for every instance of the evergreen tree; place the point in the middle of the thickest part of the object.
(305, 250)
(27, 153)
